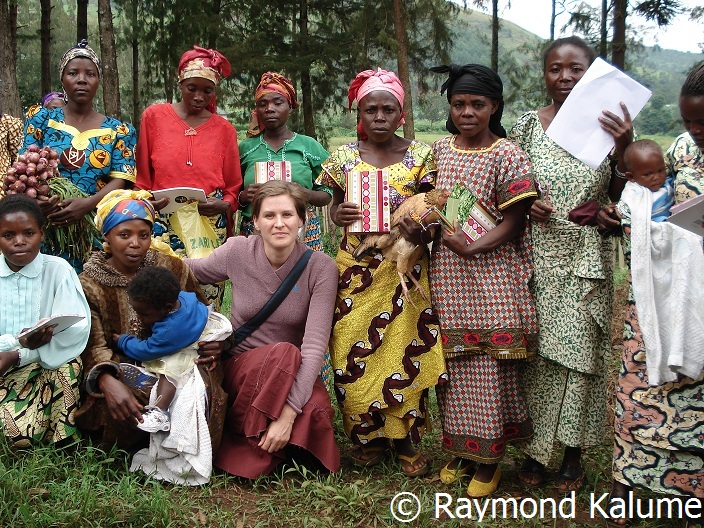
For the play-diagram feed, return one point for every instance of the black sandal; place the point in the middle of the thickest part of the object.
(570, 478)
(532, 473)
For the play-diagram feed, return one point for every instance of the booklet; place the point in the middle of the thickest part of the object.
(688, 215)
(178, 197)
(464, 206)
(59, 322)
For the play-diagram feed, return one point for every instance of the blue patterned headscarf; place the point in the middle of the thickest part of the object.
(121, 206)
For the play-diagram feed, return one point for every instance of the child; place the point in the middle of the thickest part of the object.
(175, 322)
(480, 289)
(645, 165)
(39, 374)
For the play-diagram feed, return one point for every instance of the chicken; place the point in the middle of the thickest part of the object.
(424, 208)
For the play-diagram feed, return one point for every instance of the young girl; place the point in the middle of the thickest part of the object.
(487, 316)
(176, 321)
(39, 374)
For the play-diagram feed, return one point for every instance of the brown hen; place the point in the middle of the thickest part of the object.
(424, 208)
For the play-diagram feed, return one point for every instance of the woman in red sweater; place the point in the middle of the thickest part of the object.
(186, 144)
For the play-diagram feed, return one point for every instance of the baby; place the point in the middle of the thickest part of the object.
(645, 165)
(178, 322)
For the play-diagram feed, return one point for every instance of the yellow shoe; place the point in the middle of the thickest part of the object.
(477, 490)
(450, 476)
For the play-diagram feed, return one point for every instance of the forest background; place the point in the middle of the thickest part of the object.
(321, 45)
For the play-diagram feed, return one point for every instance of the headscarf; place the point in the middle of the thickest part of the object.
(477, 80)
(122, 205)
(51, 96)
(82, 49)
(370, 81)
(271, 82)
(204, 63)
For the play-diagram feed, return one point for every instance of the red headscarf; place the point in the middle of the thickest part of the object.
(370, 81)
(204, 63)
(271, 82)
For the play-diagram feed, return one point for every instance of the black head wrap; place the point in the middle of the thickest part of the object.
(477, 80)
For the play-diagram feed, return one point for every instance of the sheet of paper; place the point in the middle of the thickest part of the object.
(178, 197)
(576, 126)
(59, 322)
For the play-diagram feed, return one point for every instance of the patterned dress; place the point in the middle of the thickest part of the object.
(10, 141)
(659, 431)
(573, 291)
(386, 353)
(487, 315)
(306, 156)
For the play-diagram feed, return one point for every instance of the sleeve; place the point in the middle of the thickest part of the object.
(515, 181)
(34, 127)
(332, 171)
(14, 137)
(9, 343)
(123, 164)
(518, 132)
(164, 341)
(317, 332)
(232, 175)
(428, 165)
(213, 268)
(143, 153)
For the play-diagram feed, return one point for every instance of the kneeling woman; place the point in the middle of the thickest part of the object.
(277, 403)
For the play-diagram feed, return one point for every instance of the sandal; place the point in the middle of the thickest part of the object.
(532, 473)
(368, 456)
(407, 462)
(619, 491)
(463, 468)
(571, 478)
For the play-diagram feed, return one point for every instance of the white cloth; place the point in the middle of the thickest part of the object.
(184, 454)
(46, 286)
(668, 287)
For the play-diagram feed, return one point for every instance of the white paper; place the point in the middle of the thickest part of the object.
(59, 322)
(576, 126)
(178, 197)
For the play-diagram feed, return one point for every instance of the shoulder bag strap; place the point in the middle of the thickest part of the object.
(244, 331)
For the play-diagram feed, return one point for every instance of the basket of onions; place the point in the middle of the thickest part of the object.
(36, 174)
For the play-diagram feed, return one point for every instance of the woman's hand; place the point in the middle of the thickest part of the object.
(159, 204)
(456, 241)
(8, 360)
(210, 354)
(247, 194)
(37, 339)
(122, 404)
(413, 232)
(48, 206)
(608, 218)
(278, 433)
(345, 213)
(71, 210)
(540, 211)
(213, 207)
(620, 129)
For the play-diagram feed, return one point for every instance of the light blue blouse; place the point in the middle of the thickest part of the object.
(46, 286)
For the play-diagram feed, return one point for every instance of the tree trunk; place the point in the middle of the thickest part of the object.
(403, 71)
(108, 56)
(45, 37)
(495, 35)
(9, 94)
(81, 20)
(306, 85)
(603, 38)
(214, 26)
(552, 20)
(136, 114)
(618, 43)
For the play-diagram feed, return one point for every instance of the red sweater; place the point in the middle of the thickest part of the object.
(168, 156)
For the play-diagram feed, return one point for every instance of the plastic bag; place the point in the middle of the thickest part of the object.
(194, 230)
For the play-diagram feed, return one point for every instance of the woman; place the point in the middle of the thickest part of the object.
(278, 405)
(96, 152)
(566, 384)
(658, 440)
(489, 324)
(40, 373)
(386, 352)
(271, 140)
(186, 144)
(110, 409)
